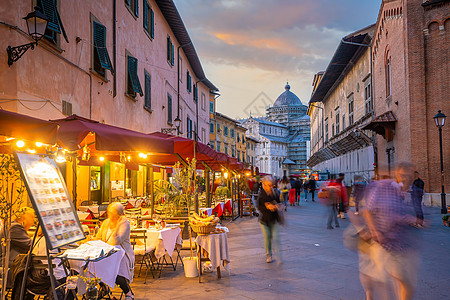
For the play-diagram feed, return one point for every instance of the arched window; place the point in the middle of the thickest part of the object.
(388, 76)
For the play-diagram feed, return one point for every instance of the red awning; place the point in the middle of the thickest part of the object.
(25, 127)
(74, 130)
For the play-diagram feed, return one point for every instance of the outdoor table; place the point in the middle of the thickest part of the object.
(84, 215)
(163, 240)
(219, 208)
(206, 210)
(105, 268)
(228, 206)
(91, 208)
(214, 248)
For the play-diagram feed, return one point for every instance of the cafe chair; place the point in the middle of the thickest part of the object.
(143, 253)
(102, 211)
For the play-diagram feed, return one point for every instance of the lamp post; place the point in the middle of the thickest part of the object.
(36, 25)
(177, 124)
(439, 119)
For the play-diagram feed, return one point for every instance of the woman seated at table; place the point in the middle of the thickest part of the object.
(115, 231)
(20, 241)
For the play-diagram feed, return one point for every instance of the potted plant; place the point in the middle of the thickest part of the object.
(91, 287)
(445, 220)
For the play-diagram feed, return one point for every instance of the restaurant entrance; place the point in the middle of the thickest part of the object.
(96, 185)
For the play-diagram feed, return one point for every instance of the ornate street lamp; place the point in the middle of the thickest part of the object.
(177, 122)
(36, 24)
(439, 119)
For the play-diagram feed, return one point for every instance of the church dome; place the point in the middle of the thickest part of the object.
(287, 98)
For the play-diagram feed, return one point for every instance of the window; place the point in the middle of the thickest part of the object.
(54, 25)
(238, 139)
(239, 155)
(368, 97)
(133, 6)
(211, 107)
(195, 93)
(188, 82)
(225, 150)
(101, 58)
(250, 130)
(332, 130)
(66, 108)
(203, 136)
(149, 20)
(203, 101)
(232, 133)
(343, 121)
(336, 113)
(189, 128)
(218, 146)
(388, 74)
(148, 91)
(170, 52)
(350, 110)
(225, 130)
(169, 108)
(180, 73)
(326, 130)
(133, 84)
(211, 127)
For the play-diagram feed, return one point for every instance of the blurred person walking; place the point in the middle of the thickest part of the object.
(343, 200)
(305, 189)
(358, 190)
(284, 187)
(386, 215)
(298, 190)
(416, 197)
(268, 201)
(312, 187)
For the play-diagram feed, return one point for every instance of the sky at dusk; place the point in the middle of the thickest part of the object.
(250, 48)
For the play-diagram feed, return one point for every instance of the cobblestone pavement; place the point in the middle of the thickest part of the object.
(315, 264)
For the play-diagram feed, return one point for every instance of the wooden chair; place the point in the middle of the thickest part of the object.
(138, 238)
(102, 211)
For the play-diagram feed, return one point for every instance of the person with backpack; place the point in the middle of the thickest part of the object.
(284, 186)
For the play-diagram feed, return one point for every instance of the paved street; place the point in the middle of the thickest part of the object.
(315, 265)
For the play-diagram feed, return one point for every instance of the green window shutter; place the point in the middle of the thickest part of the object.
(100, 46)
(136, 8)
(127, 2)
(133, 76)
(148, 91)
(172, 57)
(169, 108)
(49, 9)
(145, 15)
(152, 24)
(189, 82)
(195, 93)
(169, 48)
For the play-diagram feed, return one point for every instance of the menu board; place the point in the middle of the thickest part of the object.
(50, 199)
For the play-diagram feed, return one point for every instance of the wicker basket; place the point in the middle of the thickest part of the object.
(203, 230)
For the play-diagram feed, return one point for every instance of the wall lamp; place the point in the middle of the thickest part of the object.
(36, 24)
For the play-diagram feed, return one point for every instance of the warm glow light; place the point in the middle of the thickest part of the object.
(225, 175)
(248, 174)
(39, 144)
(101, 158)
(142, 155)
(32, 151)
(20, 144)
(60, 157)
(129, 158)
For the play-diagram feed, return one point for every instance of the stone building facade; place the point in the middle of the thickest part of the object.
(340, 105)
(411, 83)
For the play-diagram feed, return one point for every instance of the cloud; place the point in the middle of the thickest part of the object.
(270, 41)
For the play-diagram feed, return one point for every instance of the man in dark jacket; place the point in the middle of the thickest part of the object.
(268, 200)
(298, 190)
(416, 197)
(312, 187)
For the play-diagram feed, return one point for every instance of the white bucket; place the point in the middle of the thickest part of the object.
(190, 267)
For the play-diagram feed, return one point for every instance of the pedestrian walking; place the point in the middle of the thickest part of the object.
(329, 196)
(268, 205)
(305, 189)
(358, 191)
(416, 197)
(343, 201)
(284, 187)
(298, 190)
(392, 248)
(312, 187)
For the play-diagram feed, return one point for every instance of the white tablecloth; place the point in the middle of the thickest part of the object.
(163, 240)
(82, 215)
(217, 247)
(106, 269)
(91, 208)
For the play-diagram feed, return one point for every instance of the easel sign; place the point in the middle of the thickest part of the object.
(50, 199)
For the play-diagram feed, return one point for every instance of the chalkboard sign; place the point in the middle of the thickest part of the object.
(50, 199)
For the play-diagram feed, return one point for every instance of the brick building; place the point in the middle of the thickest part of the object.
(411, 83)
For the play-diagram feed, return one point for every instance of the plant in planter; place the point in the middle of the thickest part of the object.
(223, 192)
(91, 289)
(446, 220)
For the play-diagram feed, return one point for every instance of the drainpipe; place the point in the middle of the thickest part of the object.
(114, 47)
